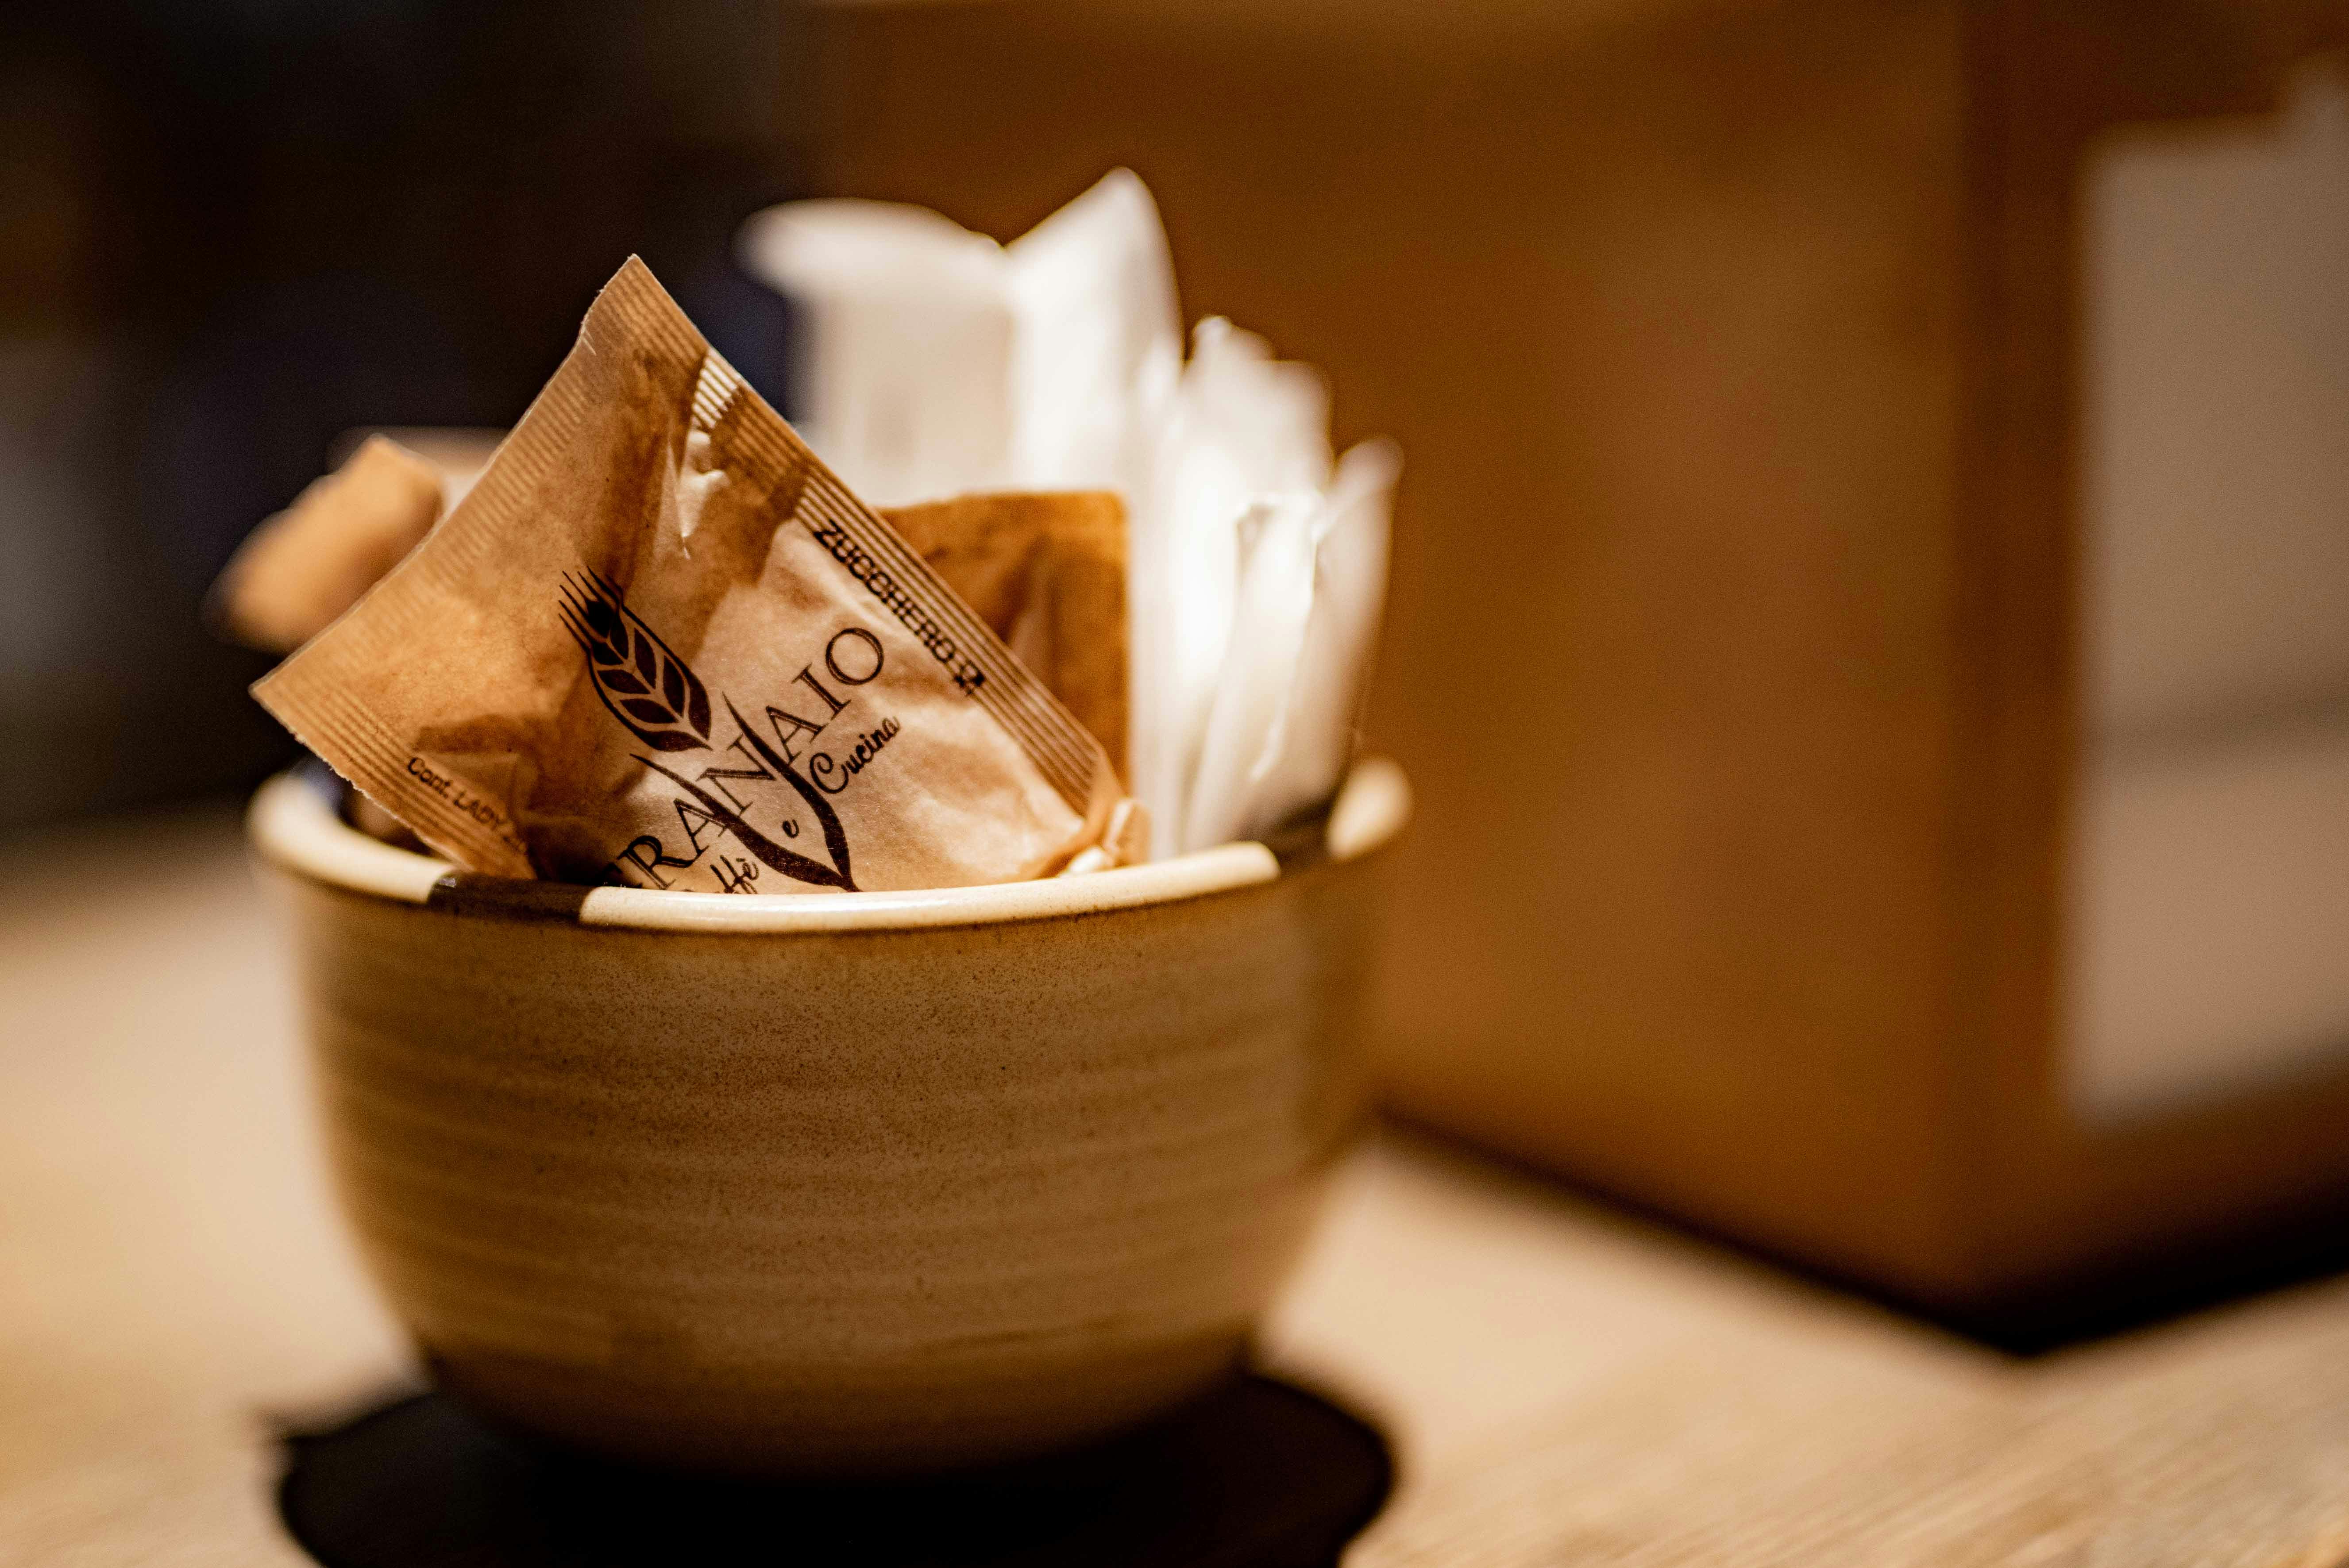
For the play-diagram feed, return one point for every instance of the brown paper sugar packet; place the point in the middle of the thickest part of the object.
(310, 562)
(659, 644)
(1046, 572)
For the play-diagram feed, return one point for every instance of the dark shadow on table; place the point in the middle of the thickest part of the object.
(2298, 1249)
(1258, 1474)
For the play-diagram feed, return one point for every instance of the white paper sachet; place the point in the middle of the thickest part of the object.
(1099, 343)
(1245, 429)
(938, 363)
(1249, 700)
(1309, 750)
(905, 360)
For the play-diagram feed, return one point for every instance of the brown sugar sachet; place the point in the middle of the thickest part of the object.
(1044, 569)
(659, 644)
(310, 562)
(1046, 572)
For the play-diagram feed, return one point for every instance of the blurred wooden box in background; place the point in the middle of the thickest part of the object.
(1819, 420)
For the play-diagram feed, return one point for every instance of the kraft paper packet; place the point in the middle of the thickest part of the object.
(1046, 572)
(310, 562)
(1044, 569)
(661, 646)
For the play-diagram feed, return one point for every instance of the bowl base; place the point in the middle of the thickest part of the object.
(822, 1425)
(1256, 1474)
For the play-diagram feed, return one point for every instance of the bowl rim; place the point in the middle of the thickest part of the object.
(294, 825)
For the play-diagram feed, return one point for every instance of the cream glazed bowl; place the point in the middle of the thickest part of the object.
(851, 1184)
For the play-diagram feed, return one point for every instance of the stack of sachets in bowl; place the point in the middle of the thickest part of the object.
(939, 361)
(1035, 595)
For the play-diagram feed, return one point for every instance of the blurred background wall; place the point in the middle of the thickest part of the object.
(229, 233)
(1662, 300)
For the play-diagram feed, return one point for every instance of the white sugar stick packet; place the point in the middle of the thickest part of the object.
(1098, 343)
(905, 358)
(938, 363)
(1248, 697)
(1282, 727)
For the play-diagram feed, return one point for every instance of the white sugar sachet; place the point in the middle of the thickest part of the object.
(1099, 342)
(1249, 700)
(1244, 430)
(937, 362)
(1308, 749)
(907, 351)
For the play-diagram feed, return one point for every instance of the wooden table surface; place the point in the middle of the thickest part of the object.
(1563, 1386)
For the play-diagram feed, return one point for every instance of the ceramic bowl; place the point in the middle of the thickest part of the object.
(856, 1184)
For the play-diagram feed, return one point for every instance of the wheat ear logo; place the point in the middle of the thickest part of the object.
(658, 699)
(640, 678)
